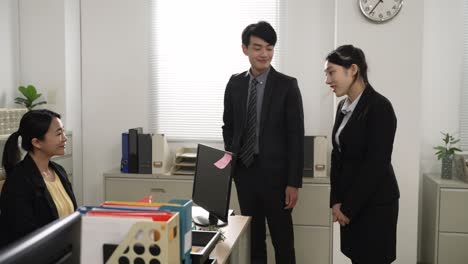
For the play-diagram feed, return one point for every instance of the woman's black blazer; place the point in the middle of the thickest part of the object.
(361, 169)
(25, 202)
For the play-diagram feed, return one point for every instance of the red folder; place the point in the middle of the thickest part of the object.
(159, 216)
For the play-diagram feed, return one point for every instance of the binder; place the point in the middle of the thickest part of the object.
(133, 149)
(308, 156)
(144, 153)
(124, 160)
(320, 156)
(161, 160)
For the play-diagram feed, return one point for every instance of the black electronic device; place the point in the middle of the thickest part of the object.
(56, 243)
(212, 184)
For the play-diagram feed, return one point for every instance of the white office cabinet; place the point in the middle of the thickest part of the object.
(130, 189)
(444, 230)
(312, 215)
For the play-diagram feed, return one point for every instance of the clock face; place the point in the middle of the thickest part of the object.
(380, 10)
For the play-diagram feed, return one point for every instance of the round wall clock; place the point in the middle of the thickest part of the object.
(380, 10)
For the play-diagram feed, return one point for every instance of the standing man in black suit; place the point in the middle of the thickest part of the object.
(264, 125)
(364, 191)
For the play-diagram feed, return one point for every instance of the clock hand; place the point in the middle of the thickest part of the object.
(380, 1)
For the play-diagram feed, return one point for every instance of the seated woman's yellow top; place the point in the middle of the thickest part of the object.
(59, 195)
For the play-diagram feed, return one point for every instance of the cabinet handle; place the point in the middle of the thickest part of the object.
(161, 190)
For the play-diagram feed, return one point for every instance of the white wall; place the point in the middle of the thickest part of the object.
(442, 76)
(42, 46)
(8, 52)
(309, 37)
(442, 72)
(73, 89)
(115, 66)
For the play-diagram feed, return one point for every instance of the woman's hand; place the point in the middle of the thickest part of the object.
(338, 215)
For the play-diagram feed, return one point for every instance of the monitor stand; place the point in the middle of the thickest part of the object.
(202, 220)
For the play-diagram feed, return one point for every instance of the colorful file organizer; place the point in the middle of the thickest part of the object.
(150, 242)
(183, 207)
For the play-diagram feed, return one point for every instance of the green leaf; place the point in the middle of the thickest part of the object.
(440, 148)
(455, 141)
(22, 90)
(456, 149)
(21, 100)
(447, 138)
(40, 103)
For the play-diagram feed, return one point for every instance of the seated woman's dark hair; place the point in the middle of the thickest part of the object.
(33, 124)
(348, 55)
(263, 30)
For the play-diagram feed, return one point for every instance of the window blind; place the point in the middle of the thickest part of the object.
(195, 48)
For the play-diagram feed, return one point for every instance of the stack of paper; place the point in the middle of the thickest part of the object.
(185, 161)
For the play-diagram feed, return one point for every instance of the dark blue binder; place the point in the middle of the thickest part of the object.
(124, 161)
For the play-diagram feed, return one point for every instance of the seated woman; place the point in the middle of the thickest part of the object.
(36, 190)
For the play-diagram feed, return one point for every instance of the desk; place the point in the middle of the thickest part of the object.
(313, 229)
(236, 246)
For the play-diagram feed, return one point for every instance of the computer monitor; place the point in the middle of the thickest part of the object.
(212, 184)
(57, 243)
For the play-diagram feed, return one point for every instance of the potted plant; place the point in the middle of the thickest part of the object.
(31, 95)
(445, 152)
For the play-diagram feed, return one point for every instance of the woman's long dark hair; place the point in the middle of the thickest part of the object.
(33, 124)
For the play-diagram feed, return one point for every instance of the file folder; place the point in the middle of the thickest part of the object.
(144, 153)
(124, 161)
(308, 156)
(320, 156)
(161, 160)
(133, 149)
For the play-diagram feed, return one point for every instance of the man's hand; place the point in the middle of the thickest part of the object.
(292, 195)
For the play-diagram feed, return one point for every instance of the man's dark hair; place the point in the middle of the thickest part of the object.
(262, 29)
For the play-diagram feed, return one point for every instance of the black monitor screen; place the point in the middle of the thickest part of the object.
(57, 242)
(212, 183)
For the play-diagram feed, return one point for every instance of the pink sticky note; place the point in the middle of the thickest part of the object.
(223, 162)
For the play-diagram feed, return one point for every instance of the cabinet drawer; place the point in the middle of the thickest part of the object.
(453, 215)
(313, 206)
(453, 248)
(135, 189)
(312, 245)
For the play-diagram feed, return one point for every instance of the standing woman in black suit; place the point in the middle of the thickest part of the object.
(36, 190)
(364, 191)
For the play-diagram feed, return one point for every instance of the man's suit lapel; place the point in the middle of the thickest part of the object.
(269, 87)
(244, 91)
